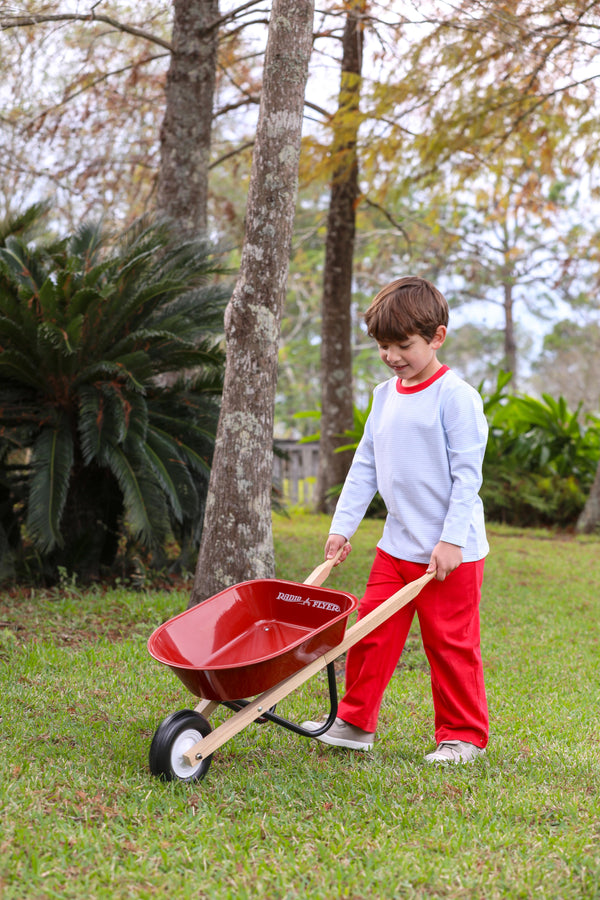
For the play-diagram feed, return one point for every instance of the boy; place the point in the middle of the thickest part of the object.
(422, 449)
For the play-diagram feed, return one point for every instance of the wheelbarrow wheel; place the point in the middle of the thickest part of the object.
(175, 736)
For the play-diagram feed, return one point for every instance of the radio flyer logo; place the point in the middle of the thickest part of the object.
(308, 601)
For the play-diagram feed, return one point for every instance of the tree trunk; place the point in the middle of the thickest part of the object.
(510, 347)
(185, 134)
(237, 541)
(90, 523)
(336, 306)
(589, 520)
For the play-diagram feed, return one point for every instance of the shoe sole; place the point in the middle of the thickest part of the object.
(454, 762)
(326, 738)
(343, 742)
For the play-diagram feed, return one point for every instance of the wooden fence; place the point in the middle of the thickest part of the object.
(296, 475)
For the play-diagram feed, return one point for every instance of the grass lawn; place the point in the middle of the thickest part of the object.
(279, 816)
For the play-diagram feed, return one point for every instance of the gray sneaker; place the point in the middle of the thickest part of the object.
(454, 752)
(343, 734)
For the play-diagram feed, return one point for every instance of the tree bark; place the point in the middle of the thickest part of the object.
(589, 520)
(185, 136)
(510, 346)
(237, 540)
(336, 305)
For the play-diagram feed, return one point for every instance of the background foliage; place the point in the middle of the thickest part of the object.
(478, 168)
(110, 379)
(540, 460)
(482, 177)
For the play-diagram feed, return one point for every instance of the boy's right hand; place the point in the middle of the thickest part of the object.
(334, 544)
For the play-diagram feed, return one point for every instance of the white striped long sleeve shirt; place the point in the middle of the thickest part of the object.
(422, 449)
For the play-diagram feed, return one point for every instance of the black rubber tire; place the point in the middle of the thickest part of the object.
(176, 734)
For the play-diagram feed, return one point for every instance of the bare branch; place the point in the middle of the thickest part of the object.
(231, 153)
(41, 18)
(391, 220)
(250, 100)
(234, 14)
(319, 109)
(234, 31)
(247, 101)
(104, 77)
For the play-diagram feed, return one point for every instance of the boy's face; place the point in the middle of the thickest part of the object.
(415, 359)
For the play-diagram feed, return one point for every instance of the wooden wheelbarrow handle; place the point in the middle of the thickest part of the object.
(318, 575)
(266, 700)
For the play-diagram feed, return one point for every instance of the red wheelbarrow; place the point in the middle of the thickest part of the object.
(260, 639)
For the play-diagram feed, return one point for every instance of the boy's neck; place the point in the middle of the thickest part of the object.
(421, 385)
(434, 366)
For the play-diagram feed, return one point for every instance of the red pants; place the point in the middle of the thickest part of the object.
(448, 614)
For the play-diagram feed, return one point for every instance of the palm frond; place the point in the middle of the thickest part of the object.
(195, 448)
(204, 305)
(205, 381)
(147, 337)
(49, 299)
(22, 223)
(14, 335)
(108, 416)
(101, 421)
(122, 311)
(86, 242)
(145, 507)
(106, 370)
(178, 359)
(27, 269)
(19, 367)
(48, 486)
(138, 365)
(53, 344)
(170, 466)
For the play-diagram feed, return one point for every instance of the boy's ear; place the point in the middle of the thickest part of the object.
(439, 337)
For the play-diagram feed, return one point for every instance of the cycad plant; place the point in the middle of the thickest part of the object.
(110, 377)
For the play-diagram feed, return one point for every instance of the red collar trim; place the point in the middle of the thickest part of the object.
(415, 388)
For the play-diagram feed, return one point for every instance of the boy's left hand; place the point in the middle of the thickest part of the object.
(444, 559)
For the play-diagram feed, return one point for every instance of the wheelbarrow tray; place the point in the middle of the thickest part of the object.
(249, 637)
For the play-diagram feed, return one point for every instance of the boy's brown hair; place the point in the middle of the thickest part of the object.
(406, 306)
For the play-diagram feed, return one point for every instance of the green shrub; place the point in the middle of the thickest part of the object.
(102, 438)
(540, 460)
